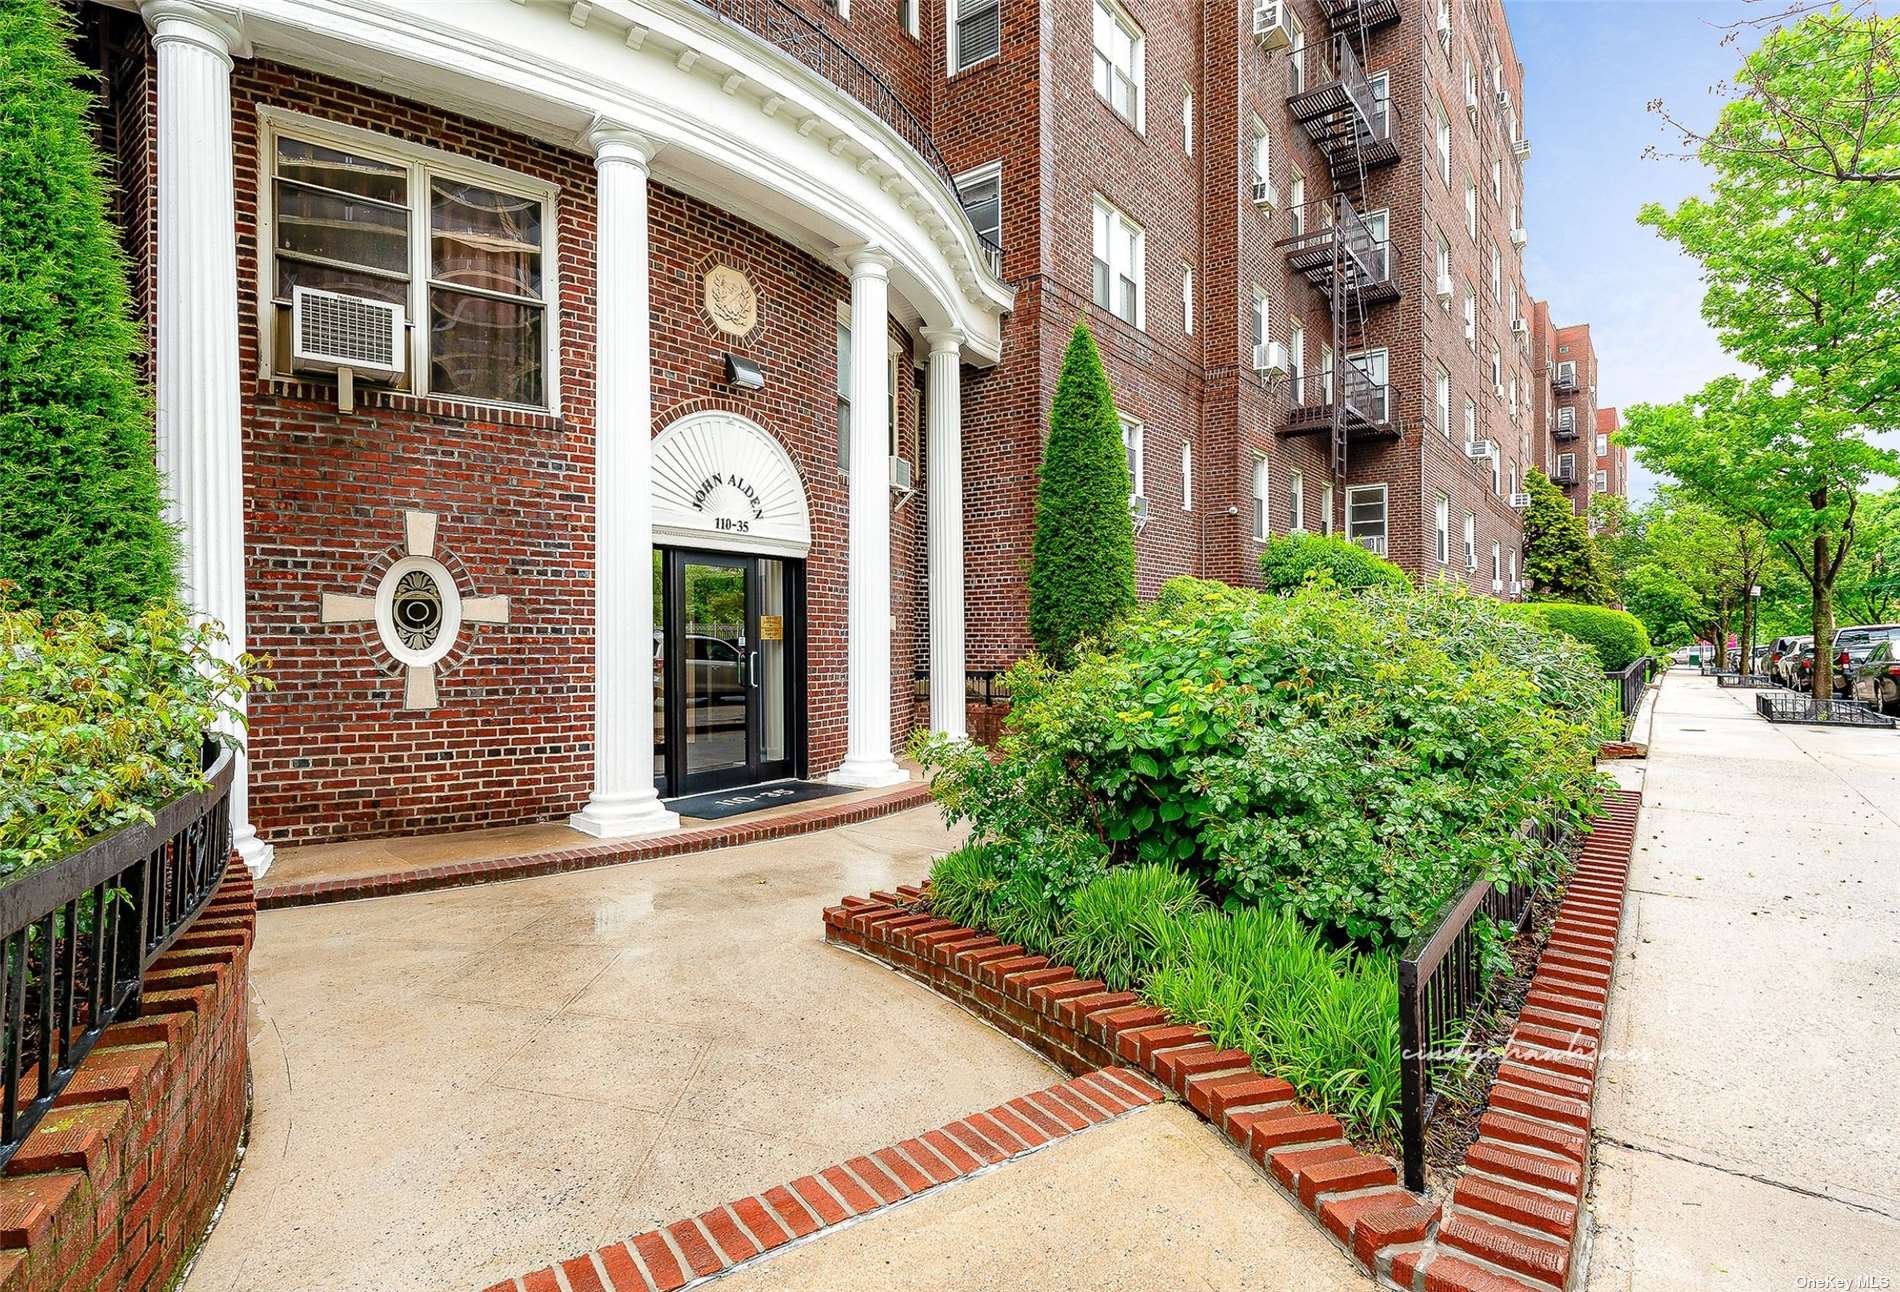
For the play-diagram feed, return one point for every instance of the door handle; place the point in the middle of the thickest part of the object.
(752, 669)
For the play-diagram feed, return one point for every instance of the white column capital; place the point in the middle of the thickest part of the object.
(613, 142)
(868, 262)
(186, 22)
(944, 340)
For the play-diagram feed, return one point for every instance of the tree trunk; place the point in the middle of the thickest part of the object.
(1821, 584)
(1748, 633)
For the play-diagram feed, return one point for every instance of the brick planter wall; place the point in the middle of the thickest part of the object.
(114, 1187)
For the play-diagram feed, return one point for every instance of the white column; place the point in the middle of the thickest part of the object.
(624, 801)
(200, 435)
(944, 461)
(867, 758)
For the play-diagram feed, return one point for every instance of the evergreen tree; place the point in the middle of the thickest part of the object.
(1082, 566)
(80, 522)
(1560, 557)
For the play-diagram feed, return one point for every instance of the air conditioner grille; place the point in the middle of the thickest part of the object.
(348, 331)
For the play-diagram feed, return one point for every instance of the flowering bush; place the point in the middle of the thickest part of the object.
(1353, 760)
(102, 721)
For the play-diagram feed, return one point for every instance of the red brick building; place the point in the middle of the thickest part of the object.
(1612, 459)
(511, 359)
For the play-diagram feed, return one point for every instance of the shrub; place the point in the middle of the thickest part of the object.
(1322, 1018)
(1125, 924)
(80, 522)
(966, 886)
(1354, 760)
(1560, 557)
(1617, 637)
(101, 721)
(1082, 562)
(1287, 564)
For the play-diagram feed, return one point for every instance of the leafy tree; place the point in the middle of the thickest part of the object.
(1287, 563)
(1684, 568)
(1870, 580)
(1788, 462)
(80, 522)
(1082, 563)
(1560, 557)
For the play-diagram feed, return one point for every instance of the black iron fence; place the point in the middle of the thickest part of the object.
(792, 32)
(1747, 681)
(1441, 983)
(76, 937)
(1630, 683)
(1799, 706)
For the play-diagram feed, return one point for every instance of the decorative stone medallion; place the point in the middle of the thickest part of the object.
(417, 608)
(731, 300)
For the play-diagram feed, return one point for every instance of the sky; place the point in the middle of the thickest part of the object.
(1590, 69)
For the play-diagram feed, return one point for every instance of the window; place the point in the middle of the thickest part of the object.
(1497, 180)
(1132, 436)
(1365, 516)
(1118, 57)
(1471, 541)
(1441, 528)
(1471, 208)
(907, 17)
(1471, 315)
(844, 394)
(1187, 121)
(1187, 299)
(1296, 203)
(1603, 444)
(1259, 499)
(1187, 476)
(1602, 481)
(1444, 269)
(1441, 399)
(1296, 360)
(1497, 371)
(1471, 421)
(1567, 467)
(1497, 569)
(1442, 132)
(1497, 473)
(1326, 372)
(1497, 274)
(981, 192)
(1296, 58)
(1261, 331)
(1262, 162)
(1514, 488)
(975, 31)
(1444, 24)
(1326, 508)
(1296, 502)
(1513, 555)
(463, 247)
(1119, 257)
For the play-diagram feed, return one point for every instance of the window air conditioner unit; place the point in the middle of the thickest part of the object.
(900, 475)
(1273, 25)
(1519, 501)
(1517, 588)
(1265, 194)
(344, 334)
(1444, 290)
(1497, 586)
(1471, 97)
(1374, 543)
(1504, 100)
(1479, 450)
(1520, 327)
(1521, 149)
(1138, 510)
(1519, 237)
(1471, 562)
(1269, 357)
(1497, 388)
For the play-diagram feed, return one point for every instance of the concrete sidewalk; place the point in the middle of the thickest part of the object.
(1748, 1127)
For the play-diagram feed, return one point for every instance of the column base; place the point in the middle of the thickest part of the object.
(622, 816)
(869, 773)
(252, 851)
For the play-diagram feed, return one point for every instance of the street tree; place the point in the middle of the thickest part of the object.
(1560, 557)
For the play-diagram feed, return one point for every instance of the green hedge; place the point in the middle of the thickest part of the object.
(1287, 564)
(1617, 637)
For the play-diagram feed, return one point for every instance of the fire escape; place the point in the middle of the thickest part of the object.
(1354, 128)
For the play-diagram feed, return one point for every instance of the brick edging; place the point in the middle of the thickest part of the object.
(823, 816)
(116, 1185)
(716, 1241)
(1521, 1194)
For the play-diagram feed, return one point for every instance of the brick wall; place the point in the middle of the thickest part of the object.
(116, 1185)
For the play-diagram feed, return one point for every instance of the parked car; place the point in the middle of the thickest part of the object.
(1781, 653)
(1852, 646)
(1876, 679)
(1801, 668)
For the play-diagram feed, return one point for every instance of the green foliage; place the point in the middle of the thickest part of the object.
(966, 886)
(101, 721)
(80, 524)
(1325, 1019)
(1355, 760)
(1616, 637)
(1082, 562)
(1287, 563)
(1560, 557)
(1126, 924)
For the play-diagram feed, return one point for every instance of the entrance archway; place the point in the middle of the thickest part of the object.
(731, 528)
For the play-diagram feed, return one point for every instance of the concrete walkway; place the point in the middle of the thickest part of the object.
(460, 1086)
(1748, 1126)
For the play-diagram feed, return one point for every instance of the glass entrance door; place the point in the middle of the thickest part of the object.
(727, 678)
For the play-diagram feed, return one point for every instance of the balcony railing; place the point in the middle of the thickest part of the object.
(1563, 380)
(1364, 405)
(1343, 113)
(1368, 264)
(77, 935)
(1564, 430)
(793, 33)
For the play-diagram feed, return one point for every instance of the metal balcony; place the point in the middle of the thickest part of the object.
(1559, 431)
(1343, 15)
(1366, 411)
(1344, 117)
(1317, 250)
(1563, 382)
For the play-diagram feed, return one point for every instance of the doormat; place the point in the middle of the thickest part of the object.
(717, 804)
